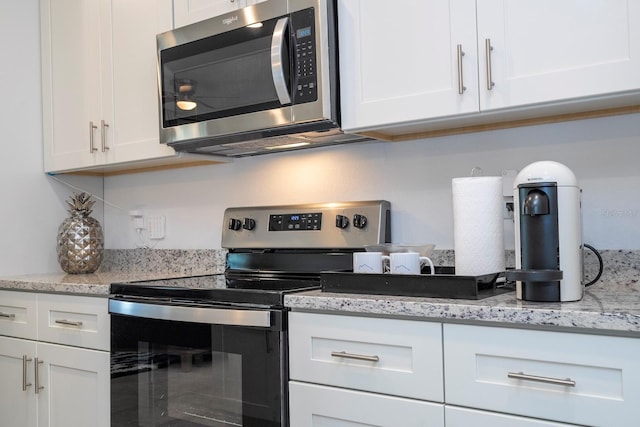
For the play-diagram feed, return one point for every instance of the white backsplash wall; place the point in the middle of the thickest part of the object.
(415, 176)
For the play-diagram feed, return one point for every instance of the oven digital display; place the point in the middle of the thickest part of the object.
(295, 222)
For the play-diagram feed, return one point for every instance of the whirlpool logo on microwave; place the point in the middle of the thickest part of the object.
(230, 20)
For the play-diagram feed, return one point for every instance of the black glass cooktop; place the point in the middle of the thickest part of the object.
(262, 290)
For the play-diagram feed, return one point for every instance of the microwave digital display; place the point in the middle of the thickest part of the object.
(303, 32)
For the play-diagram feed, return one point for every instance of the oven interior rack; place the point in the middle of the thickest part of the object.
(443, 284)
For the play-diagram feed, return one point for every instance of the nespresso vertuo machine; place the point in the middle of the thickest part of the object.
(548, 234)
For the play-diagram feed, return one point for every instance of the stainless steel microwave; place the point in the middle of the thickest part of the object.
(258, 79)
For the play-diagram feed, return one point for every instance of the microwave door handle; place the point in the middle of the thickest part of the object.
(277, 67)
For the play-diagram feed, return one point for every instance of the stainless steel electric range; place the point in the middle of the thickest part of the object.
(212, 350)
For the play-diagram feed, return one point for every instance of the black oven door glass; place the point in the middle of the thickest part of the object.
(183, 374)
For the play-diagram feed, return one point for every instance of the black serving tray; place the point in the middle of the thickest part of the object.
(443, 284)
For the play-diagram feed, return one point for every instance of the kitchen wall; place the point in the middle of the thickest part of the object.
(415, 176)
(31, 204)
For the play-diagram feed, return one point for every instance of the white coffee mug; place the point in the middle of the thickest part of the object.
(367, 262)
(408, 263)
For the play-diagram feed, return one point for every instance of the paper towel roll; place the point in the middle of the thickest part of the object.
(478, 225)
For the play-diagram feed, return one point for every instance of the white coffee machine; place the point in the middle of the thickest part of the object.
(548, 234)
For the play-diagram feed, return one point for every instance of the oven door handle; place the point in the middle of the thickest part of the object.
(277, 66)
(207, 315)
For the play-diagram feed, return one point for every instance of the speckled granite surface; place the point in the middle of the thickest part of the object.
(612, 304)
(125, 265)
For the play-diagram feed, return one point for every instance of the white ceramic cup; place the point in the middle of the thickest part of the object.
(367, 262)
(407, 263)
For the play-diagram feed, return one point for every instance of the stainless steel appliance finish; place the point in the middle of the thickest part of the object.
(212, 350)
(321, 226)
(258, 78)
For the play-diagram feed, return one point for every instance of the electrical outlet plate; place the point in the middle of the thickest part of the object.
(155, 226)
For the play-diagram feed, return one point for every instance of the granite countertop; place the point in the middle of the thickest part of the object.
(123, 266)
(610, 306)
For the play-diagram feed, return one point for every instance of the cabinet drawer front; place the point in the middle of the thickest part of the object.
(574, 378)
(18, 314)
(74, 320)
(320, 406)
(390, 356)
(463, 417)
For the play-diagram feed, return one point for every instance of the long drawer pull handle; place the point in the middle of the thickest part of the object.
(346, 355)
(460, 54)
(68, 322)
(92, 147)
(487, 49)
(549, 380)
(25, 384)
(8, 315)
(103, 135)
(37, 376)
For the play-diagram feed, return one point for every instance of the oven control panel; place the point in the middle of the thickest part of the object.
(330, 225)
(295, 222)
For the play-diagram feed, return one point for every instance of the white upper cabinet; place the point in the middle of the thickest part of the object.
(397, 68)
(187, 12)
(76, 43)
(135, 84)
(444, 63)
(100, 88)
(550, 50)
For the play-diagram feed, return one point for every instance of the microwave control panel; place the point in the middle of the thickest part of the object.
(304, 38)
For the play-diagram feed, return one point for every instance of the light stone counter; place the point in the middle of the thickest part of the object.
(124, 266)
(610, 306)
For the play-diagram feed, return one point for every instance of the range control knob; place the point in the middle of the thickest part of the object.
(359, 221)
(234, 224)
(342, 221)
(249, 224)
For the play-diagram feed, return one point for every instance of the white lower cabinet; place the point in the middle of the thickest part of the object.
(52, 383)
(321, 406)
(566, 377)
(18, 404)
(464, 417)
(349, 371)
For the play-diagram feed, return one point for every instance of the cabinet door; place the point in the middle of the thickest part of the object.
(464, 417)
(397, 69)
(187, 12)
(76, 387)
(75, 59)
(312, 405)
(134, 133)
(566, 377)
(17, 406)
(550, 50)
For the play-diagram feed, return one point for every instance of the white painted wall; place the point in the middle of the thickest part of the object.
(415, 176)
(32, 205)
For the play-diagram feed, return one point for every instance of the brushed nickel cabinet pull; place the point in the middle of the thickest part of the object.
(8, 315)
(346, 355)
(92, 147)
(548, 380)
(25, 360)
(68, 322)
(487, 49)
(461, 87)
(37, 363)
(103, 135)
